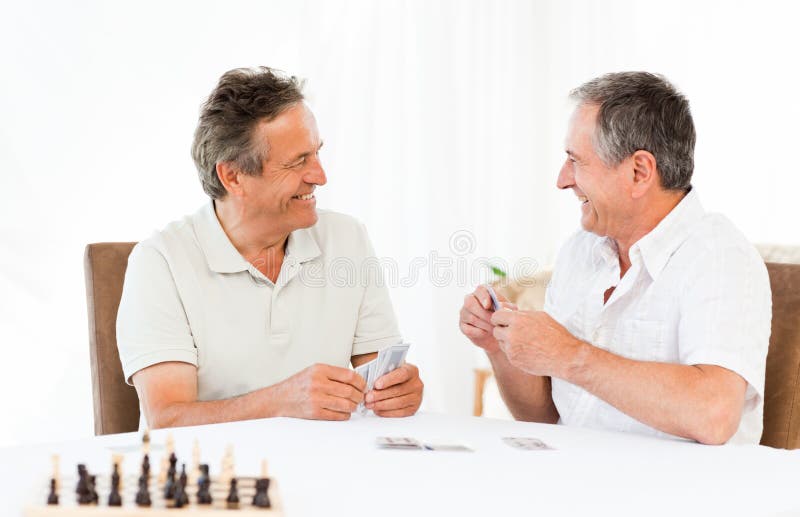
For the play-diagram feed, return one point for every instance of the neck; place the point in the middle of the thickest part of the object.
(653, 211)
(260, 245)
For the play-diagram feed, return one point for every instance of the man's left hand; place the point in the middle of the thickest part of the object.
(396, 394)
(535, 343)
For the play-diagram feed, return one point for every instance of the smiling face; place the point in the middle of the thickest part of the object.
(604, 192)
(283, 195)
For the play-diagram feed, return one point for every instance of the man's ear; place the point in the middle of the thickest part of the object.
(645, 173)
(230, 177)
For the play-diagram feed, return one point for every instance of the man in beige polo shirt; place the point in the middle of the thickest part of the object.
(256, 305)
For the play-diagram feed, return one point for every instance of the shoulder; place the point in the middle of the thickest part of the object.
(577, 249)
(716, 238)
(177, 235)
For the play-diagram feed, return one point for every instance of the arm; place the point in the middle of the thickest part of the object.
(168, 393)
(527, 396)
(700, 402)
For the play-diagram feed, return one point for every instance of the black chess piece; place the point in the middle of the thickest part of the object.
(181, 497)
(83, 489)
(143, 495)
(232, 501)
(114, 497)
(93, 489)
(203, 486)
(146, 466)
(52, 498)
(169, 486)
(261, 499)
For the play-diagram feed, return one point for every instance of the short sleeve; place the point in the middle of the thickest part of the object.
(726, 314)
(377, 326)
(151, 323)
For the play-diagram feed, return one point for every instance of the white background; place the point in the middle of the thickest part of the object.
(440, 117)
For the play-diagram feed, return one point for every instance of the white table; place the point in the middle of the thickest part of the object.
(334, 468)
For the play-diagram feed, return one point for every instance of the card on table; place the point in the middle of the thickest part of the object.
(408, 444)
(493, 296)
(526, 443)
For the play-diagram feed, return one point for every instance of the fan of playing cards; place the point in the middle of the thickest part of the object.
(389, 359)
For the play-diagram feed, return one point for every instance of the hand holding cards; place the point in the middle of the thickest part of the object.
(388, 360)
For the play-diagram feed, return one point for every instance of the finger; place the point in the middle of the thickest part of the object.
(472, 306)
(503, 317)
(500, 333)
(342, 390)
(397, 413)
(473, 332)
(403, 373)
(339, 404)
(327, 414)
(388, 393)
(391, 404)
(344, 375)
(509, 306)
(481, 294)
(475, 321)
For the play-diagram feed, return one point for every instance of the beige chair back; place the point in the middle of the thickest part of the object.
(116, 406)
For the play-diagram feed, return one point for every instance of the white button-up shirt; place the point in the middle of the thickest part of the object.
(697, 292)
(189, 296)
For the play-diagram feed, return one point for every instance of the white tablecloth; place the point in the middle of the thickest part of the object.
(334, 468)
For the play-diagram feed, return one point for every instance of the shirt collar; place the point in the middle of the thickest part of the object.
(661, 242)
(223, 257)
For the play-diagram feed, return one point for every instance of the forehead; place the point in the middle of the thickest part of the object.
(293, 130)
(581, 125)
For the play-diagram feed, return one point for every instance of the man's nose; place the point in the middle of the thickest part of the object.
(566, 178)
(316, 174)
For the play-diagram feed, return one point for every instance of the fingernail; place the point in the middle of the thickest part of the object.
(369, 398)
(378, 385)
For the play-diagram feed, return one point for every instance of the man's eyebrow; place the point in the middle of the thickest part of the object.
(572, 154)
(303, 155)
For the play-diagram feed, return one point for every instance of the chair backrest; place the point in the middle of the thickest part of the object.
(782, 390)
(116, 405)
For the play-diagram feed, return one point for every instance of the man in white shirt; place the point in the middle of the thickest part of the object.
(657, 318)
(256, 305)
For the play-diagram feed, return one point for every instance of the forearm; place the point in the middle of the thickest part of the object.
(682, 400)
(527, 396)
(261, 403)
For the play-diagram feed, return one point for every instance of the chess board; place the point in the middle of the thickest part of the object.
(68, 506)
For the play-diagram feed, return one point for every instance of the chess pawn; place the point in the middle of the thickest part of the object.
(232, 502)
(261, 499)
(52, 498)
(143, 495)
(146, 466)
(181, 497)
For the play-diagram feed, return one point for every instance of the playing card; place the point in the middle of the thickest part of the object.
(526, 443)
(493, 295)
(451, 447)
(398, 442)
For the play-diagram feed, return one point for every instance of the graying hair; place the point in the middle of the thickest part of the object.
(242, 98)
(642, 111)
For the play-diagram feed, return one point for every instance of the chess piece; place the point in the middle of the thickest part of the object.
(143, 495)
(146, 442)
(203, 486)
(56, 471)
(169, 485)
(114, 497)
(82, 489)
(146, 467)
(261, 499)
(93, 489)
(52, 498)
(181, 498)
(232, 502)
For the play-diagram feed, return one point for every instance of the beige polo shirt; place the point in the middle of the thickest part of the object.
(189, 296)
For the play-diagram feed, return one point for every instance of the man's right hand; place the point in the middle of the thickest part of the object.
(475, 319)
(320, 392)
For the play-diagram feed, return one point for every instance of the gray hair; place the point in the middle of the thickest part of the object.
(642, 111)
(242, 98)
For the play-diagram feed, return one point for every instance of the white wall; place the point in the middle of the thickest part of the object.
(439, 118)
